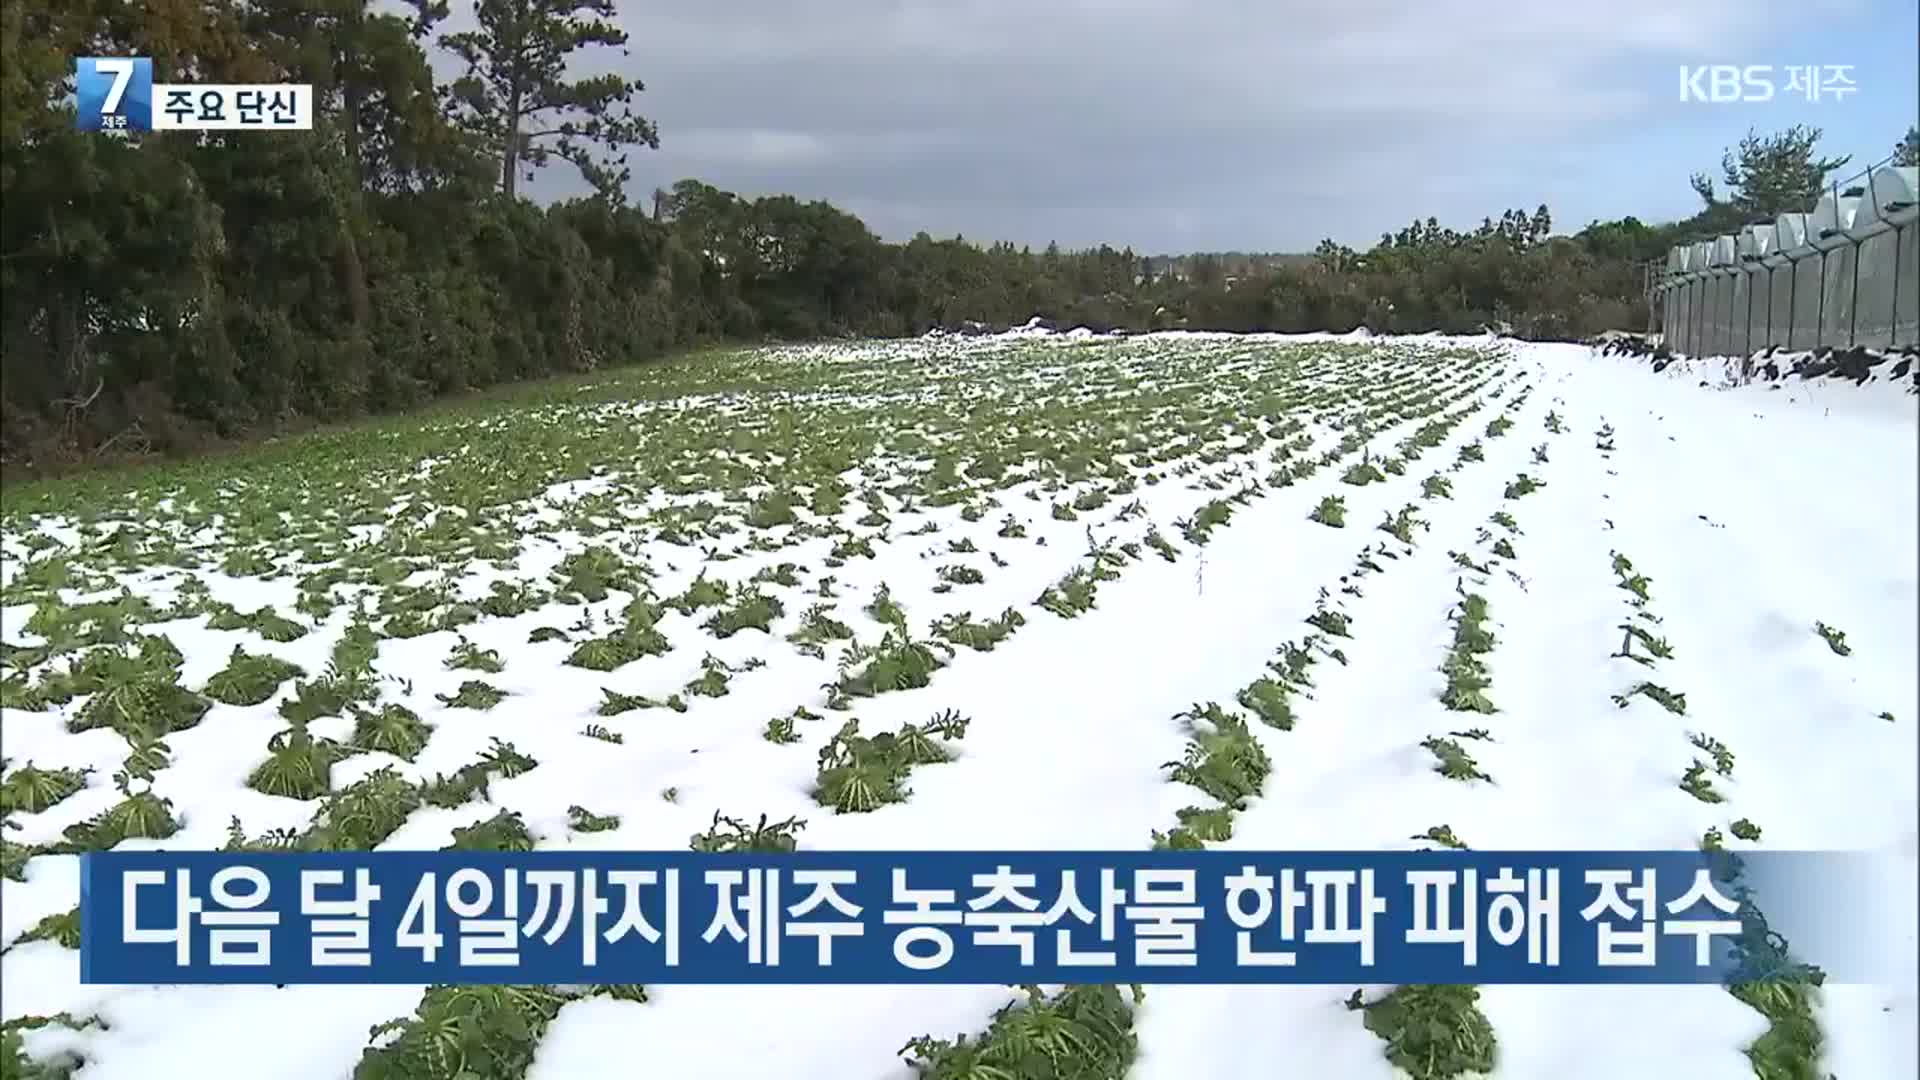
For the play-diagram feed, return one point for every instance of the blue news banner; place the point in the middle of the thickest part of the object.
(913, 917)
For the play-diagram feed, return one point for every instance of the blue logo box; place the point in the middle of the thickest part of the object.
(113, 93)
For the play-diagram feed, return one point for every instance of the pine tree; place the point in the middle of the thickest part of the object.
(1907, 150)
(1770, 175)
(516, 97)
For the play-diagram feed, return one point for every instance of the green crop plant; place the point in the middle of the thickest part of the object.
(1222, 757)
(1078, 1033)
(734, 835)
(249, 679)
(1669, 700)
(1362, 473)
(1835, 639)
(473, 694)
(393, 729)
(1442, 835)
(1523, 485)
(960, 629)
(1465, 668)
(858, 774)
(582, 820)
(1715, 749)
(1400, 526)
(30, 790)
(1453, 761)
(504, 831)
(1698, 784)
(1268, 699)
(896, 662)
(1432, 1032)
(298, 766)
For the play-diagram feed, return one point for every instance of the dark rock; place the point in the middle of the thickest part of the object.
(1852, 364)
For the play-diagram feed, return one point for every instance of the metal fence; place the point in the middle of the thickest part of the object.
(1844, 272)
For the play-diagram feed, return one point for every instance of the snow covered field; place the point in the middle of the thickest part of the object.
(603, 618)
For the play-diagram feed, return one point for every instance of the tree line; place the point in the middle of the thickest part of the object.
(164, 291)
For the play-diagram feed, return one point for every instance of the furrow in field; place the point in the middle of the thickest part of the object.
(648, 779)
(1751, 544)
(1350, 775)
(1071, 727)
(1573, 771)
(1757, 542)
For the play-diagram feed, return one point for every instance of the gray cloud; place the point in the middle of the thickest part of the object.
(1160, 124)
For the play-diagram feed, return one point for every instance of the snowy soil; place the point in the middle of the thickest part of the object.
(1754, 511)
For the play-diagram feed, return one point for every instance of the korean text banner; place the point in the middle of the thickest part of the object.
(921, 917)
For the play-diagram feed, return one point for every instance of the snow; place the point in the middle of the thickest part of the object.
(1755, 511)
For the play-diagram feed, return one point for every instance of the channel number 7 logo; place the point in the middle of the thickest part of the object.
(113, 93)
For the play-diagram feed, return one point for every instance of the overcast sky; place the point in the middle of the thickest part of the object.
(1231, 124)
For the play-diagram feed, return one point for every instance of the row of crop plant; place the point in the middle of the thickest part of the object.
(1437, 1032)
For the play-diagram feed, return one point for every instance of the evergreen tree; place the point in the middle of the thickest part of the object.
(163, 290)
(1770, 175)
(517, 99)
(1907, 150)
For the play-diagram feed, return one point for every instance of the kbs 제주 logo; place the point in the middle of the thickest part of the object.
(114, 93)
